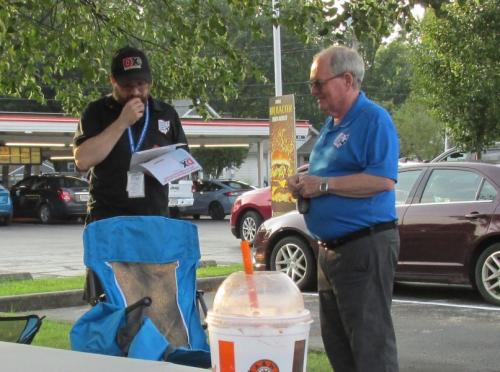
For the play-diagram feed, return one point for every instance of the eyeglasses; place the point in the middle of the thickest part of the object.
(318, 83)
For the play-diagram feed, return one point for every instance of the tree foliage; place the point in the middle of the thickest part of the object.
(215, 160)
(63, 48)
(389, 80)
(421, 136)
(458, 70)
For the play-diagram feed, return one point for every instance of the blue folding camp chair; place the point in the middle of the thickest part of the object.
(147, 268)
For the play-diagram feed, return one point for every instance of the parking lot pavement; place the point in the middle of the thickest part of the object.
(57, 250)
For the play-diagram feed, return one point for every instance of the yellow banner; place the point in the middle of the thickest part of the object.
(282, 150)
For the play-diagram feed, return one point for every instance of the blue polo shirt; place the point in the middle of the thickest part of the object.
(365, 141)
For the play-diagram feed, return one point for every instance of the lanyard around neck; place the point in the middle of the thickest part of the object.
(134, 148)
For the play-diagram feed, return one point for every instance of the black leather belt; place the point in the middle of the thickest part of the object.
(335, 243)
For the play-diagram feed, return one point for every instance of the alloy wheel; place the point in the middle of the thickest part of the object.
(490, 275)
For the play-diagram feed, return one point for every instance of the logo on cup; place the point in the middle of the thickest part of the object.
(264, 365)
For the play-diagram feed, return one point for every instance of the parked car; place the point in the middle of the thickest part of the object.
(214, 197)
(490, 155)
(5, 206)
(50, 196)
(449, 224)
(251, 209)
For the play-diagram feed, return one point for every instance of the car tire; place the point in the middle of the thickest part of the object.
(45, 214)
(249, 224)
(196, 216)
(216, 211)
(293, 256)
(487, 272)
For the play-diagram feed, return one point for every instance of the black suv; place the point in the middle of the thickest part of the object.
(49, 197)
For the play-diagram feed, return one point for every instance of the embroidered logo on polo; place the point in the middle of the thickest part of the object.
(164, 126)
(341, 140)
(130, 63)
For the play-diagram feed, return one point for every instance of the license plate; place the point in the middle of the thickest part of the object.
(83, 197)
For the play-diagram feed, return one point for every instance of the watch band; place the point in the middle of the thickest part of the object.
(323, 186)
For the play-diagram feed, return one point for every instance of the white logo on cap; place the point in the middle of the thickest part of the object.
(130, 63)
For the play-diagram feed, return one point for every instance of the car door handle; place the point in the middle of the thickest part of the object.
(473, 215)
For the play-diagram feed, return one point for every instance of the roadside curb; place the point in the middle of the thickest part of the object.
(54, 300)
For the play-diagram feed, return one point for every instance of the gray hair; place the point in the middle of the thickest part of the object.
(343, 59)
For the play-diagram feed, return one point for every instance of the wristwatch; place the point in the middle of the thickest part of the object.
(323, 186)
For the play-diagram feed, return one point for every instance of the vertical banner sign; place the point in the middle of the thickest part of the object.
(282, 149)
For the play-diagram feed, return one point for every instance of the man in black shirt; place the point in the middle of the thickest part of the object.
(115, 126)
(111, 129)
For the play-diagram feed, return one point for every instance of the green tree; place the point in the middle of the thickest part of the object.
(66, 45)
(215, 160)
(458, 70)
(389, 80)
(421, 136)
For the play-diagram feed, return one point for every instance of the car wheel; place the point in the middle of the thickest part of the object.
(45, 214)
(216, 211)
(249, 224)
(293, 256)
(196, 216)
(487, 274)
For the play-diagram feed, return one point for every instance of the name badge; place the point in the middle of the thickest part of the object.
(135, 185)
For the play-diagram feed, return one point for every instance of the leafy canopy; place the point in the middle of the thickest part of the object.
(458, 70)
(62, 49)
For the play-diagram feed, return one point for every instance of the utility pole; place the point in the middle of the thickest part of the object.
(277, 53)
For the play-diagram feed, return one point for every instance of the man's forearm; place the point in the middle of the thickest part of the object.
(360, 185)
(96, 149)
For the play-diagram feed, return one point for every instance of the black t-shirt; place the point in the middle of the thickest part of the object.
(108, 179)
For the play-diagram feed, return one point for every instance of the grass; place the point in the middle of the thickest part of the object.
(56, 335)
(19, 287)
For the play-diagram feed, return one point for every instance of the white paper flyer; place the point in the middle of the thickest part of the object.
(166, 164)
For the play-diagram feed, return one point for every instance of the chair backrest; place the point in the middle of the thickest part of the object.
(19, 329)
(139, 257)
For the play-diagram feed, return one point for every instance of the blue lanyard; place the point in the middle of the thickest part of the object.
(134, 148)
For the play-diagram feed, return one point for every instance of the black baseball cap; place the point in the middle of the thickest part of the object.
(130, 64)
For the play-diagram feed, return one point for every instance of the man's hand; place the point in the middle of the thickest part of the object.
(131, 112)
(309, 186)
(293, 185)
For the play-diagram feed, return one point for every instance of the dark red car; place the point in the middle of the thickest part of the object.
(449, 223)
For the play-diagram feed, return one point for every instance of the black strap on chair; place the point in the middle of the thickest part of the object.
(135, 314)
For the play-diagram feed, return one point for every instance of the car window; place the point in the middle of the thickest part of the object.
(406, 181)
(39, 184)
(487, 192)
(237, 185)
(73, 182)
(456, 156)
(204, 186)
(451, 185)
(214, 187)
